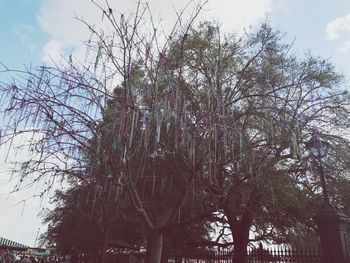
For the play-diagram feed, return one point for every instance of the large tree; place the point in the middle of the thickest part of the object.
(101, 194)
(205, 122)
(72, 111)
(262, 105)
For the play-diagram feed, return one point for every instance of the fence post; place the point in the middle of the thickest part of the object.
(333, 229)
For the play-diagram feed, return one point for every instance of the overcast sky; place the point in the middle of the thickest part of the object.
(36, 31)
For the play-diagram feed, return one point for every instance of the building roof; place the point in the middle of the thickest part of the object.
(8, 244)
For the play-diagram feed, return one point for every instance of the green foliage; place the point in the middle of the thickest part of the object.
(207, 123)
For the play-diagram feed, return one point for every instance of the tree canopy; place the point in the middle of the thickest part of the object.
(204, 124)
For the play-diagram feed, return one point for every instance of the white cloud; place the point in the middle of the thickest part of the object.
(52, 51)
(345, 47)
(237, 14)
(20, 221)
(56, 18)
(336, 26)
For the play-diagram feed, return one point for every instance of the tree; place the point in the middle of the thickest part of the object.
(204, 119)
(104, 201)
(63, 107)
(86, 220)
(263, 106)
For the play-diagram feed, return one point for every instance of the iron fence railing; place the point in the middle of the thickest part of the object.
(277, 255)
(271, 255)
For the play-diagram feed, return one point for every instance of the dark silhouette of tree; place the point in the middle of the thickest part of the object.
(203, 123)
(262, 104)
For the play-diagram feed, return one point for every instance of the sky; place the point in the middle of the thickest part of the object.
(34, 32)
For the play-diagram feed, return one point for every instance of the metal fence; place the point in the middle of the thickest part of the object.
(278, 255)
(274, 255)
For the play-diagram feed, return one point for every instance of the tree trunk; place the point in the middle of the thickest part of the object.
(240, 233)
(104, 251)
(105, 241)
(240, 245)
(154, 248)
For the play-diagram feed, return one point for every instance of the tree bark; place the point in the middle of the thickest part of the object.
(154, 248)
(240, 233)
(241, 244)
(104, 252)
